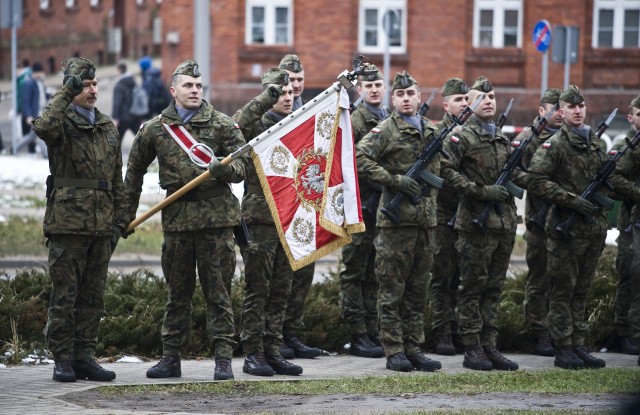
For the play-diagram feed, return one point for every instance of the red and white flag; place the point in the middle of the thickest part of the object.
(306, 165)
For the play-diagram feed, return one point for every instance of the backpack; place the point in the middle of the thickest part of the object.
(139, 102)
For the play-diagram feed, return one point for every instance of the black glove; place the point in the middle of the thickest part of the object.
(275, 91)
(74, 82)
(494, 193)
(217, 169)
(583, 207)
(407, 185)
(116, 233)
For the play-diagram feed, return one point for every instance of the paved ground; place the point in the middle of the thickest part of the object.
(30, 389)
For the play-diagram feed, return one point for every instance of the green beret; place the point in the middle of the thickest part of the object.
(551, 96)
(402, 81)
(454, 86)
(189, 68)
(482, 84)
(371, 73)
(636, 102)
(572, 95)
(291, 63)
(78, 66)
(275, 76)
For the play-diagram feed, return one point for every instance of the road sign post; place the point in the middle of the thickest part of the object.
(541, 40)
(565, 48)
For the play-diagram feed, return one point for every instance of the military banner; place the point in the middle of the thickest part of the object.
(308, 174)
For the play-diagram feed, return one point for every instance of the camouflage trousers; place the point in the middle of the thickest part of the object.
(358, 284)
(212, 252)
(624, 290)
(78, 266)
(445, 278)
(571, 265)
(268, 277)
(536, 289)
(634, 307)
(404, 256)
(484, 260)
(300, 286)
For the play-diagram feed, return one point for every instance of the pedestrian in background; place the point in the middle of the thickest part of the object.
(122, 99)
(34, 98)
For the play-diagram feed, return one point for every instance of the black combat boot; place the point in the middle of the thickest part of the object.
(300, 349)
(444, 345)
(361, 345)
(498, 360)
(63, 372)
(589, 360)
(91, 370)
(256, 364)
(628, 345)
(423, 363)
(542, 346)
(474, 358)
(286, 351)
(283, 367)
(399, 363)
(167, 367)
(223, 370)
(567, 359)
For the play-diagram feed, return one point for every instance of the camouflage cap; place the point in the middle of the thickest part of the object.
(482, 84)
(454, 86)
(572, 95)
(371, 73)
(188, 67)
(78, 66)
(402, 81)
(636, 102)
(551, 96)
(291, 63)
(275, 76)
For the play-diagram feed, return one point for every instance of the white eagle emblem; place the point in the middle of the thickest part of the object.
(313, 180)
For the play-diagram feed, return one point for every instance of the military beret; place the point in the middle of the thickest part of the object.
(371, 73)
(402, 81)
(189, 68)
(291, 63)
(275, 76)
(551, 96)
(482, 84)
(454, 86)
(78, 66)
(636, 102)
(572, 95)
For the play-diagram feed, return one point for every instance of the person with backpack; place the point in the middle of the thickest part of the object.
(123, 103)
(157, 91)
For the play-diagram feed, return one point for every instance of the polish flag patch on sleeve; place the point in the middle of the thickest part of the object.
(455, 139)
(375, 130)
(546, 145)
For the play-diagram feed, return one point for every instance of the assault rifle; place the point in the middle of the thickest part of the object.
(357, 102)
(514, 160)
(591, 193)
(540, 217)
(427, 104)
(418, 171)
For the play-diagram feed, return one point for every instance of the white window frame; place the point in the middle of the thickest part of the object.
(498, 7)
(619, 8)
(269, 21)
(382, 6)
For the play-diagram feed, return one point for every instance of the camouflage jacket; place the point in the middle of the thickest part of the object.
(217, 207)
(448, 198)
(254, 119)
(79, 150)
(560, 171)
(628, 169)
(390, 149)
(363, 121)
(476, 160)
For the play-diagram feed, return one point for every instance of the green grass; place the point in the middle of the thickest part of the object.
(609, 380)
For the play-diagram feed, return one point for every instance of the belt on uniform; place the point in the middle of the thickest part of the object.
(82, 183)
(194, 195)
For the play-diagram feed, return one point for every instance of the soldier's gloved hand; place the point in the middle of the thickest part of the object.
(494, 193)
(407, 185)
(116, 234)
(124, 233)
(275, 91)
(74, 82)
(583, 206)
(217, 169)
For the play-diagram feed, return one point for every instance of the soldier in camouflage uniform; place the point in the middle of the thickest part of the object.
(560, 171)
(84, 217)
(445, 278)
(358, 283)
(293, 346)
(198, 227)
(536, 301)
(404, 252)
(477, 153)
(268, 274)
(627, 302)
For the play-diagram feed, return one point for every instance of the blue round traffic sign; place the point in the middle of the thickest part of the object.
(542, 35)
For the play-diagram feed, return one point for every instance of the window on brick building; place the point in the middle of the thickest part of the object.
(45, 4)
(616, 24)
(70, 4)
(269, 22)
(497, 24)
(372, 36)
